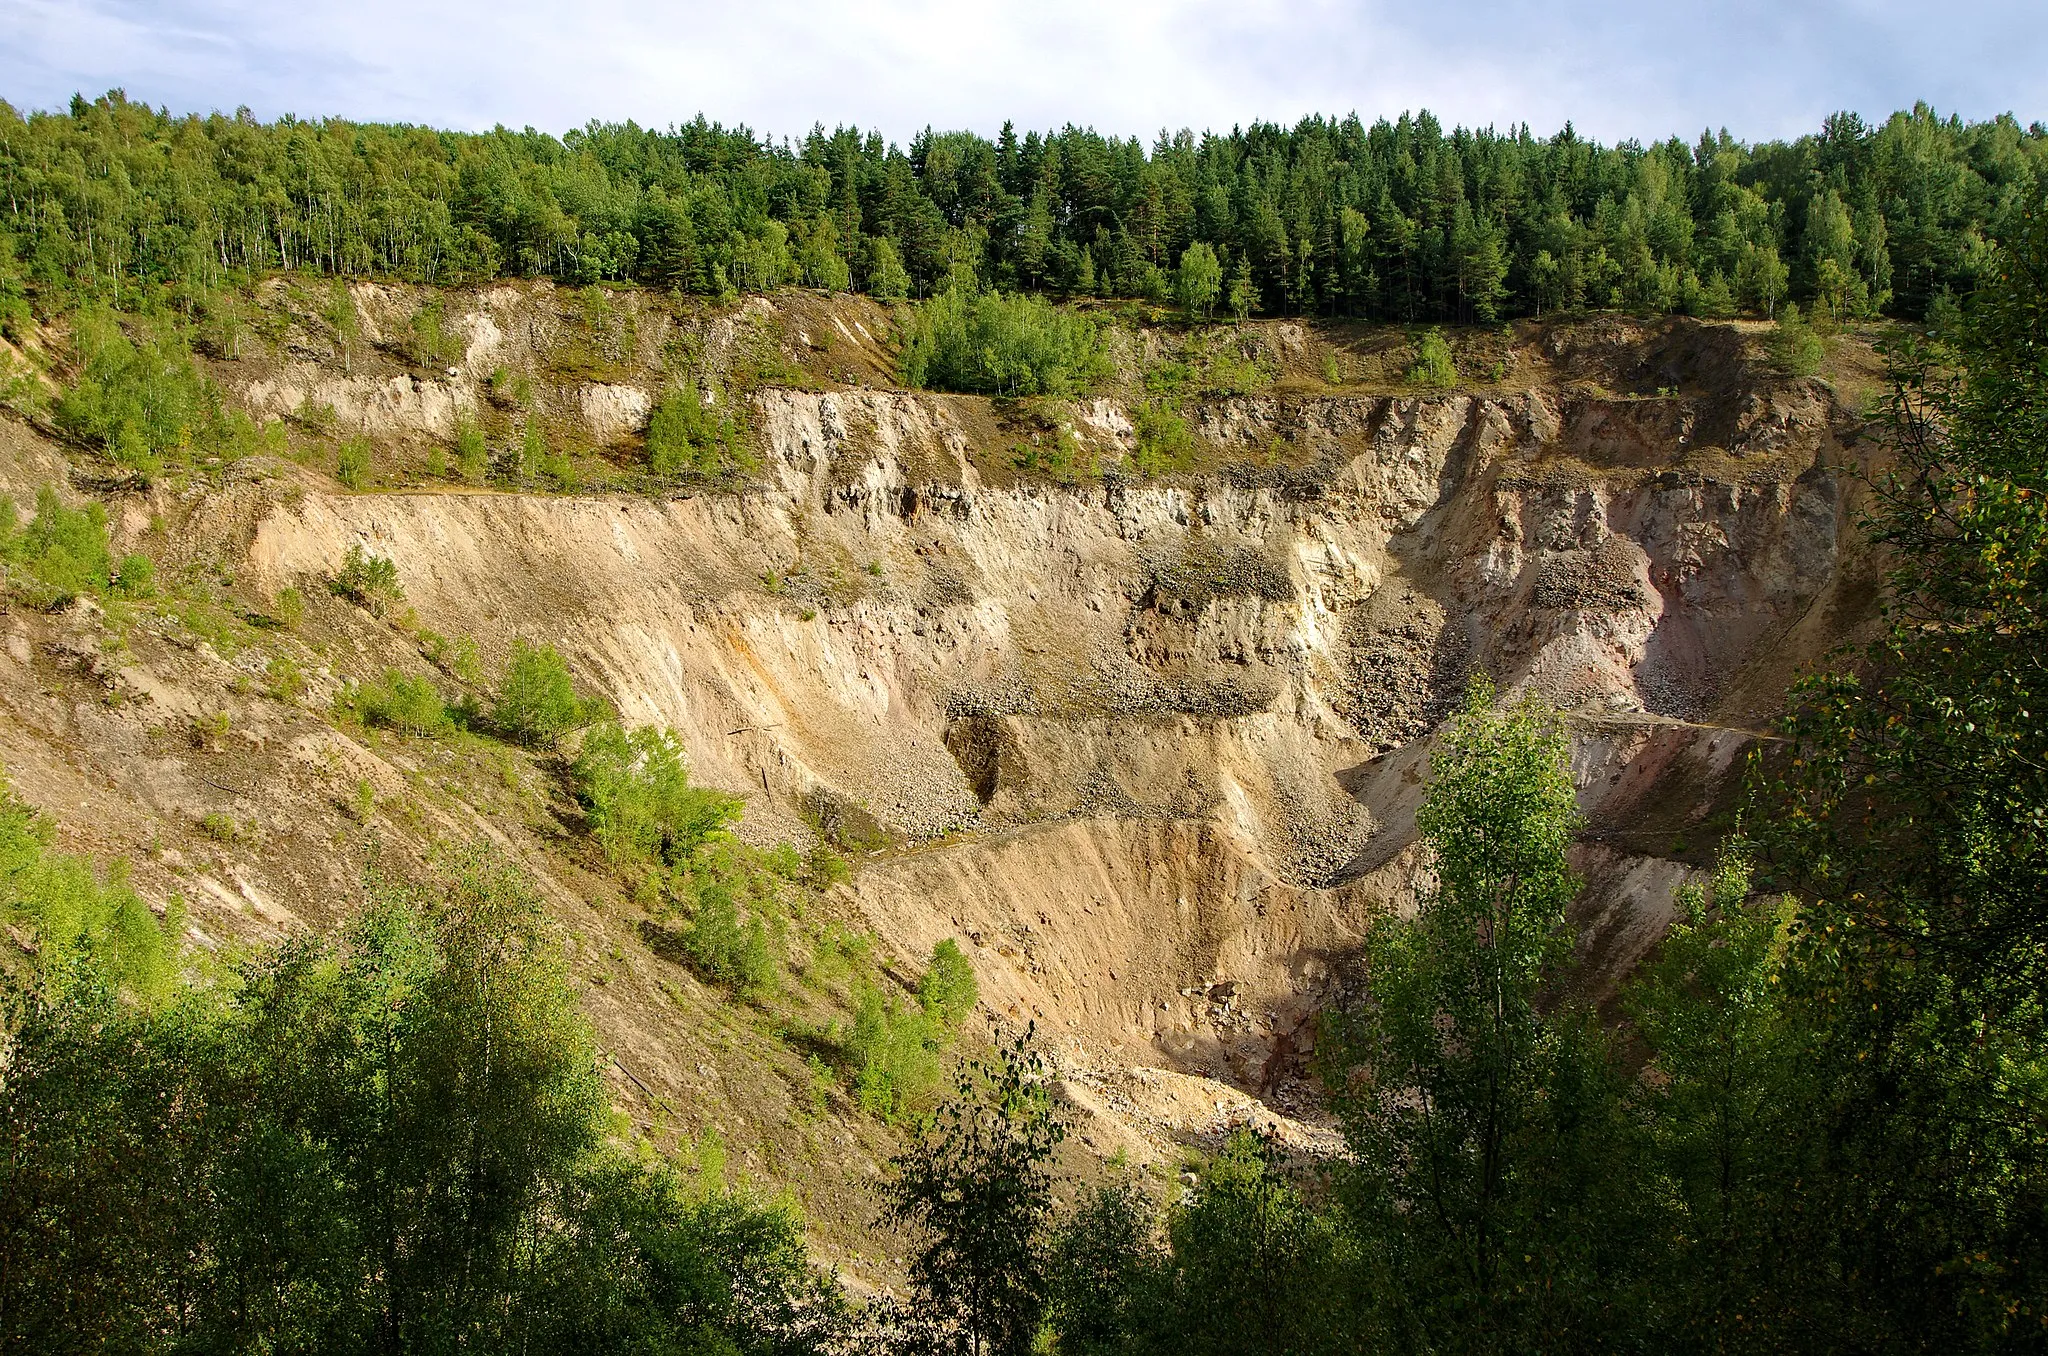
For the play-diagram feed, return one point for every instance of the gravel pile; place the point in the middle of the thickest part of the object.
(1404, 676)
(1600, 580)
(1188, 581)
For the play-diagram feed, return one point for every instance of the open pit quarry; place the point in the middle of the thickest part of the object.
(1149, 746)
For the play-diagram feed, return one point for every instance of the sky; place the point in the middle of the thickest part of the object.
(1615, 68)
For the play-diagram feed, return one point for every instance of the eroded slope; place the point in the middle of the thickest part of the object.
(1150, 746)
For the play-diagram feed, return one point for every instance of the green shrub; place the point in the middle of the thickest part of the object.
(1170, 378)
(684, 436)
(397, 702)
(838, 951)
(135, 576)
(472, 455)
(428, 342)
(1234, 371)
(948, 992)
(536, 702)
(464, 662)
(892, 1051)
(722, 946)
(289, 607)
(368, 581)
(1433, 365)
(995, 343)
(634, 788)
(1794, 348)
(892, 1054)
(143, 401)
(824, 868)
(19, 389)
(1164, 441)
(287, 681)
(533, 450)
(72, 914)
(60, 554)
(558, 468)
(1064, 457)
(352, 462)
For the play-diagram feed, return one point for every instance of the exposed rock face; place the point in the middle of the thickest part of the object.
(1157, 734)
(1151, 747)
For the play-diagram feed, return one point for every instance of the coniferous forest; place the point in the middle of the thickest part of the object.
(1815, 1121)
(1400, 221)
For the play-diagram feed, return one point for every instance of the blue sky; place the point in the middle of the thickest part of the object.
(1646, 69)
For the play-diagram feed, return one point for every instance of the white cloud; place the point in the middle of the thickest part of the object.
(1128, 66)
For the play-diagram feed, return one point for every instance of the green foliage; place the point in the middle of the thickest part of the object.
(948, 991)
(558, 468)
(824, 868)
(289, 607)
(734, 898)
(995, 343)
(533, 450)
(1061, 457)
(892, 1054)
(1108, 1278)
(135, 576)
(974, 1186)
(1255, 1267)
(838, 951)
(391, 1141)
(1727, 1110)
(1492, 1194)
(1761, 278)
(892, 1050)
(634, 788)
(887, 278)
(685, 436)
(536, 702)
(723, 945)
(428, 342)
(143, 401)
(1198, 281)
(459, 658)
(1433, 365)
(1217, 363)
(79, 925)
(1399, 220)
(286, 680)
(1244, 291)
(20, 390)
(1164, 441)
(352, 463)
(15, 314)
(1907, 821)
(62, 552)
(398, 702)
(367, 580)
(472, 454)
(340, 314)
(819, 258)
(1794, 348)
